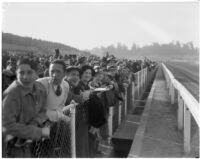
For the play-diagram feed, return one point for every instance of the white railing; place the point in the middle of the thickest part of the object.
(142, 80)
(187, 106)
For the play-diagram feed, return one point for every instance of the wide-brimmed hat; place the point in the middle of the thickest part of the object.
(72, 68)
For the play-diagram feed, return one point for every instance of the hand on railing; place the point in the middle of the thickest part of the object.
(95, 132)
(46, 130)
(67, 108)
(67, 111)
(20, 142)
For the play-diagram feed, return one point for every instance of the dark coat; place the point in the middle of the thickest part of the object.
(96, 111)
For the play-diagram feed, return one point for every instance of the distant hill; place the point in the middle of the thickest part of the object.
(160, 52)
(19, 44)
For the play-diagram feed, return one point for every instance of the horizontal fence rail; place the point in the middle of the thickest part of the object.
(187, 106)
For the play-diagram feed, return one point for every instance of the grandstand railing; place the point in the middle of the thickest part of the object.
(133, 91)
(187, 106)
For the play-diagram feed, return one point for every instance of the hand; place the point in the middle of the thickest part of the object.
(125, 85)
(96, 131)
(45, 132)
(85, 95)
(72, 102)
(8, 137)
(65, 118)
(110, 86)
(67, 110)
(52, 115)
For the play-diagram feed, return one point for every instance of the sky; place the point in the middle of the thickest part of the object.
(86, 25)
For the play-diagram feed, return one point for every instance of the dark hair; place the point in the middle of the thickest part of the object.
(60, 62)
(87, 67)
(27, 61)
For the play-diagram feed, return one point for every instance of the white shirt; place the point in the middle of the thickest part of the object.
(54, 104)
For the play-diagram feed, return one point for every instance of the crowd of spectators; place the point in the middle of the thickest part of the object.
(83, 75)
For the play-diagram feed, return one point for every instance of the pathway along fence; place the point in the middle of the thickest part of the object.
(63, 136)
(187, 106)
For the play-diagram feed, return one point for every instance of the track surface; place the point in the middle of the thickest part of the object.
(187, 74)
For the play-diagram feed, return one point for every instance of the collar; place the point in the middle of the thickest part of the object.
(70, 84)
(83, 83)
(24, 92)
(50, 82)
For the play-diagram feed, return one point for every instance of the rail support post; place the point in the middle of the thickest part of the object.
(142, 79)
(172, 94)
(125, 100)
(138, 79)
(170, 88)
(145, 76)
(133, 94)
(180, 112)
(120, 113)
(110, 124)
(73, 132)
(187, 129)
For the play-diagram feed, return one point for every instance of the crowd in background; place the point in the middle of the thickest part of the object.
(83, 75)
(105, 64)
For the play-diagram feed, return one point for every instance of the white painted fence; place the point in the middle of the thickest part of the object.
(142, 80)
(187, 106)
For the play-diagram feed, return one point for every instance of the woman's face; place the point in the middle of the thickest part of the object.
(73, 77)
(87, 75)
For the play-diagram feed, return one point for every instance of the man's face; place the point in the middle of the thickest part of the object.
(57, 73)
(73, 77)
(25, 75)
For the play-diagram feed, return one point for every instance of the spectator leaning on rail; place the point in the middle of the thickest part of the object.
(57, 91)
(23, 113)
(73, 77)
(94, 109)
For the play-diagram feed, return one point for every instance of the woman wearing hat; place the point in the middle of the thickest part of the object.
(73, 78)
(93, 108)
